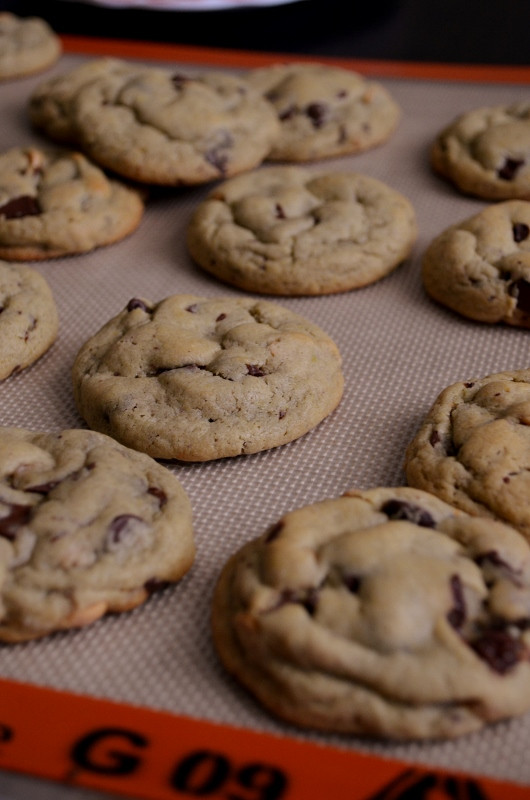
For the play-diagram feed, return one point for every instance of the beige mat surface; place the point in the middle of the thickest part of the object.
(399, 351)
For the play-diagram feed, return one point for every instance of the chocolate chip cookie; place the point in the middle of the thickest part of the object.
(86, 527)
(382, 613)
(196, 379)
(158, 127)
(28, 317)
(325, 111)
(486, 152)
(481, 266)
(50, 103)
(473, 448)
(27, 45)
(292, 231)
(59, 203)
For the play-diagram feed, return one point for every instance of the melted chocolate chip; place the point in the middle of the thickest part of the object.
(317, 113)
(352, 583)
(520, 289)
(274, 532)
(255, 371)
(23, 206)
(434, 438)
(16, 516)
(43, 488)
(500, 650)
(155, 585)
(457, 615)
(281, 414)
(220, 318)
(520, 231)
(218, 155)
(160, 495)
(193, 308)
(279, 213)
(179, 80)
(401, 509)
(136, 303)
(288, 113)
(118, 526)
(509, 169)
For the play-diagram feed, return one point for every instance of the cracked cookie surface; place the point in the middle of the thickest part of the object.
(86, 527)
(289, 230)
(481, 266)
(195, 379)
(154, 126)
(28, 317)
(325, 111)
(58, 203)
(27, 45)
(384, 613)
(473, 448)
(50, 103)
(486, 152)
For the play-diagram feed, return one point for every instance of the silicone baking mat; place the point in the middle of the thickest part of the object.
(399, 350)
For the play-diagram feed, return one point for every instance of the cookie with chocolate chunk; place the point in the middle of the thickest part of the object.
(27, 45)
(480, 267)
(473, 448)
(28, 317)
(58, 203)
(86, 527)
(158, 127)
(382, 613)
(324, 110)
(486, 152)
(288, 230)
(196, 379)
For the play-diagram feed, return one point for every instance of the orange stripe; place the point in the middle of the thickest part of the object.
(249, 59)
(138, 752)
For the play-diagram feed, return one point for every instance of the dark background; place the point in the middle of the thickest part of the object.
(458, 31)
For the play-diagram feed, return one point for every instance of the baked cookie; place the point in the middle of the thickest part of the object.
(383, 613)
(158, 127)
(59, 203)
(86, 527)
(288, 230)
(486, 152)
(324, 111)
(473, 448)
(481, 267)
(27, 45)
(28, 317)
(50, 103)
(196, 379)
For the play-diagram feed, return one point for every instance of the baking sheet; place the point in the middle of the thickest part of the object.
(399, 351)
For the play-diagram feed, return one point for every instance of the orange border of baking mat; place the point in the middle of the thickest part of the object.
(134, 751)
(484, 73)
(80, 740)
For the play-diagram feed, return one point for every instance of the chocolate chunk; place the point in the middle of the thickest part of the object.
(255, 371)
(434, 438)
(136, 303)
(159, 494)
(317, 113)
(179, 80)
(352, 583)
(193, 308)
(155, 585)
(288, 113)
(500, 650)
(401, 509)
(274, 532)
(520, 231)
(118, 526)
(279, 213)
(218, 155)
(509, 169)
(23, 206)
(220, 318)
(457, 615)
(520, 289)
(17, 516)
